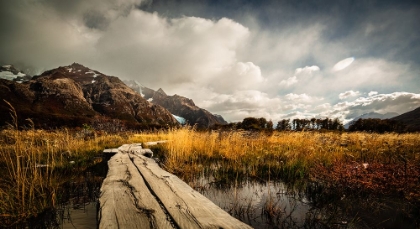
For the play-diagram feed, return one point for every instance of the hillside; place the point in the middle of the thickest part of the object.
(411, 119)
(371, 115)
(75, 95)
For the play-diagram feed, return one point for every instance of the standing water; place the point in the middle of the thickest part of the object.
(263, 204)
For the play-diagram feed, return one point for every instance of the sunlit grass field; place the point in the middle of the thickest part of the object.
(376, 163)
(32, 162)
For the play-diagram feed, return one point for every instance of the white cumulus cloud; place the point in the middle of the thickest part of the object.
(307, 70)
(347, 94)
(289, 81)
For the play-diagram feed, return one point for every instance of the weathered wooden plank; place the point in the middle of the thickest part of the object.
(125, 201)
(110, 151)
(137, 193)
(140, 151)
(187, 207)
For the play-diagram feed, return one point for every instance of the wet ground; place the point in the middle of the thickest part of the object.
(276, 205)
(261, 204)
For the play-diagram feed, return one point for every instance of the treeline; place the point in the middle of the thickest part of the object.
(369, 125)
(261, 124)
(377, 125)
(310, 124)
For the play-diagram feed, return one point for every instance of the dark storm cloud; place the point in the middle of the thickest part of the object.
(95, 20)
(395, 23)
(237, 58)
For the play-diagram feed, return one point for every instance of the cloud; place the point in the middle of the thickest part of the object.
(182, 50)
(302, 73)
(302, 98)
(347, 94)
(342, 64)
(231, 58)
(307, 70)
(289, 81)
(398, 102)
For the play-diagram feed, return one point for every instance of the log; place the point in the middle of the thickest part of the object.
(187, 207)
(123, 202)
(137, 193)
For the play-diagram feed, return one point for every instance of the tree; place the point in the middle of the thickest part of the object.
(283, 125)
(251, 123)
(269, 125)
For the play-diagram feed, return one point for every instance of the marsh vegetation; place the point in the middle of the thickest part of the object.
(35, 165)
(284, 179)
(346, 177)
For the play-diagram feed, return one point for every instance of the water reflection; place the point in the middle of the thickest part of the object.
(273, 204)
(79, 198)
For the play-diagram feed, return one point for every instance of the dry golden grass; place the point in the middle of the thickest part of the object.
(26, 188)
(32, 163)
(288, 155)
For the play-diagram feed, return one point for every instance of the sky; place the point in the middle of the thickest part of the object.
(276, 59)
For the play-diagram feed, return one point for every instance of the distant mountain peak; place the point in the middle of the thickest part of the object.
(160, 90)
(179, 106)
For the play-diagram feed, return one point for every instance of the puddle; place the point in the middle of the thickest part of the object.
(85, 216)
(77, 201)
(79, 198)
(275, 205)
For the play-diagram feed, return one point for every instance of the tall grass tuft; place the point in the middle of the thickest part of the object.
(33, 164)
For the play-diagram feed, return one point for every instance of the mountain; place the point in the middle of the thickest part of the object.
(9, 72)
(74, 95)
(411, 119)
(371, 115)
(179, 106)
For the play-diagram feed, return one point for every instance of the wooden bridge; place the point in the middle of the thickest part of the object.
(137, 193)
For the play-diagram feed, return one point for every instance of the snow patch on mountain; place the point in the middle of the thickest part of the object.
(92, 72)
(181, 120)
(8, 72)
(8, 75)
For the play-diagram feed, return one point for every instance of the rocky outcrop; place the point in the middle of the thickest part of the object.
(179, 106)
(73, 95)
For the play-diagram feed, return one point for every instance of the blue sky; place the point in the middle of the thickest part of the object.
(272, 59)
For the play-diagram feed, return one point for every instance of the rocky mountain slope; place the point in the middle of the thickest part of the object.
(179, 106)
(74, 95)
(411, 119)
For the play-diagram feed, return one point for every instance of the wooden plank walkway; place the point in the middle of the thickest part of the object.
(137, 193)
